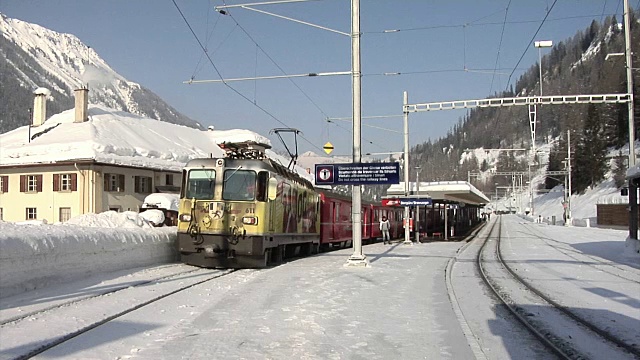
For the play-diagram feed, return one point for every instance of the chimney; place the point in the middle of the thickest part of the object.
(82, 104)
(40, 106)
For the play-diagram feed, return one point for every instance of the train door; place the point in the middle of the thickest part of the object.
(335, 218)
(366, 223)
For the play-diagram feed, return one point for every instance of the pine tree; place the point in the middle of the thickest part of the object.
(590, 156)
(620, 171)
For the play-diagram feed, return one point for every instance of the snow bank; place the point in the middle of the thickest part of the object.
(32, 256)
(162, 201)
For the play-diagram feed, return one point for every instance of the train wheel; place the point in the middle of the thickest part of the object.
(306, 249)
(279, 256)
(267, 257)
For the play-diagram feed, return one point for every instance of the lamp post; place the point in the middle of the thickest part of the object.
(417, 206)
(539, 45)
(542, 44)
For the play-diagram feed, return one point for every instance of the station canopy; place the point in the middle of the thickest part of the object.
(442, 192)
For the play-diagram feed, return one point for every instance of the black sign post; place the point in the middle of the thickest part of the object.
(358, 174)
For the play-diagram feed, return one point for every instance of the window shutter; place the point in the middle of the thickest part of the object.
(106, 182)
(56, 182)
(23, 183)
(38, 183)
(5, 184)
(121, 183)
(74, 182)
(136, 184)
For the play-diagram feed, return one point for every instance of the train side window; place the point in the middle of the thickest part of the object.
(261, 191)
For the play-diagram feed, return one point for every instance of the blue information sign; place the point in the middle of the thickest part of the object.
(415, 202)
(358, 174)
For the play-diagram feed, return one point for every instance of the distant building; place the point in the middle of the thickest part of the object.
(94, 159)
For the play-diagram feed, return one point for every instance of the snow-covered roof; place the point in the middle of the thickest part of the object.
(633, 172)
(115, 137)
(460, 191)
(120, 138)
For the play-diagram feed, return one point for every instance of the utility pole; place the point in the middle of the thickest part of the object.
(568, 209)
(407, 230)
(633, 189)
(496, 209)
(417, 224)
(357, 258)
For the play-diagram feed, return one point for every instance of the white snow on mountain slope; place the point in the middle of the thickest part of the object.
(66, 58)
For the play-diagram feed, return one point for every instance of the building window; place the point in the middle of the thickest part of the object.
(30, 183)
(65, 182)
(4, 184)
(114, 208)
(65, 214)
(168, 179)
(114, 182)
(143, 184)
(32, 214)
(1, 214)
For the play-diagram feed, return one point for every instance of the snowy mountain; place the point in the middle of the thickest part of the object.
(32, 56)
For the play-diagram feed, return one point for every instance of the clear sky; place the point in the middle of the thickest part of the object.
(148, 41)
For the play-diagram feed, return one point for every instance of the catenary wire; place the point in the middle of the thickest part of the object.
(225, 83)
(506, 12)
(291, 80)
(531, 42)
(480, 24)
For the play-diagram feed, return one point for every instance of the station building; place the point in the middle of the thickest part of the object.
(456, 207)
(92, 159)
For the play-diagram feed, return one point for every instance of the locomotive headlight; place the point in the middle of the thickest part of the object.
(250, 220)
(185, 217)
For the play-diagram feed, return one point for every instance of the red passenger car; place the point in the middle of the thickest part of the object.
(336, 221)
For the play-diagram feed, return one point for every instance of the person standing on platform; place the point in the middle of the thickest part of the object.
(384, 227)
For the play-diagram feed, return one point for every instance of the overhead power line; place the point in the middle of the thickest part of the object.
(226, 84)
(530, 42)
(388, 31)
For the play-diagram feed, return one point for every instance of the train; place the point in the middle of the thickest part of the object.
(246, 210)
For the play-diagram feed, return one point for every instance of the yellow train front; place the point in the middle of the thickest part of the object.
(240, 213)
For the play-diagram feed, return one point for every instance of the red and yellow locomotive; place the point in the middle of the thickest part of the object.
(246, 210)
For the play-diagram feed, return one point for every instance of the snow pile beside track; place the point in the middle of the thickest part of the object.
(35, 255)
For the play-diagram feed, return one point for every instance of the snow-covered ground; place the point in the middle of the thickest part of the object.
(35, 255)
(312, 308)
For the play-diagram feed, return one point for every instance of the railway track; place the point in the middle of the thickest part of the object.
(11, 318)
(586, 259)
(68, 320)
(565, 333)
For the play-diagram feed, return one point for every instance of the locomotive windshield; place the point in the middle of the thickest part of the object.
(200, 184)
(239, 185)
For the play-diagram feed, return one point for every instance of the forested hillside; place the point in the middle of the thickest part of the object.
(573, 66)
